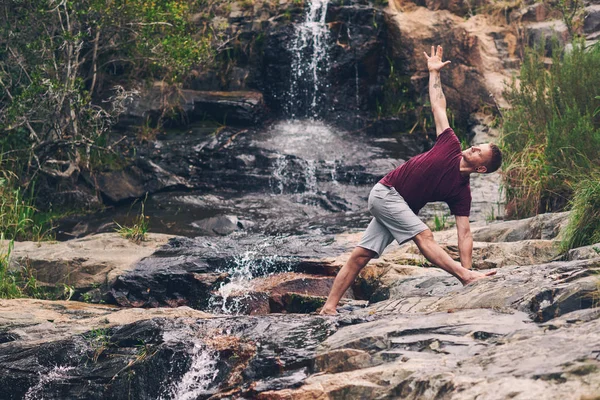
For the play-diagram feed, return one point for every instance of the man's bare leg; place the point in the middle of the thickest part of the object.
(437, 256)
(357, 261)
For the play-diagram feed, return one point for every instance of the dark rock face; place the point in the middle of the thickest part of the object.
(188, 271)
(356, 64)
(235, 108)
(168, 359)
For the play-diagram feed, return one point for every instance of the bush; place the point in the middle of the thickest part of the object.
(551, 137)
(584, 222)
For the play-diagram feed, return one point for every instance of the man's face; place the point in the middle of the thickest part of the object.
(478, 156)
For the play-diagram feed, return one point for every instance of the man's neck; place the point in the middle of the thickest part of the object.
(465, 169)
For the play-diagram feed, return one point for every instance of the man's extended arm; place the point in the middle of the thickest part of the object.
(465, 241)
(436, 94)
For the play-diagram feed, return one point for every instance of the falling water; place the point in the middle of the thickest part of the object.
(356, 80)
(310, 62)
(196, 381)
(57, 374)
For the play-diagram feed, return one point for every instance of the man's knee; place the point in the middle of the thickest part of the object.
(423, 238)
(362, 254)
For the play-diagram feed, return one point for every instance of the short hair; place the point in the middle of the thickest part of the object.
(495, 160)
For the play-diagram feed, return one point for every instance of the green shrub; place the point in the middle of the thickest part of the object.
(584, 222)
(551, 137)
(17, 213)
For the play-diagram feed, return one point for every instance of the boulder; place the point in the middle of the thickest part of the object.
(543, 226)
(591, 23)
(134, 181)
(83, 264)
(583, 253)
(188, 271)
(238, 108)
(537, 33)
(536, 12)
(546, 291)
(219, 225)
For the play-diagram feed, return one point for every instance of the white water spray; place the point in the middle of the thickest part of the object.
(230, 298)
(202, 373)
(58, 373)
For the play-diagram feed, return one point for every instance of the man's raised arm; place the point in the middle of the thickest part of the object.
(436, 95)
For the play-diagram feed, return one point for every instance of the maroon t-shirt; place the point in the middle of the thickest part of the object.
(434, 176)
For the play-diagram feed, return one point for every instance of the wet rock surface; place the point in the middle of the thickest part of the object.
(531, 330)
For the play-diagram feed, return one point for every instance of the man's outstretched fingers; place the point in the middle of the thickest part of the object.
(490, 273)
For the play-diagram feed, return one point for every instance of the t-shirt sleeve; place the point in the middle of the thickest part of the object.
(460, 205)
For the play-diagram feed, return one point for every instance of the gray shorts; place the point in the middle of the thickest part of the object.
(393, 219)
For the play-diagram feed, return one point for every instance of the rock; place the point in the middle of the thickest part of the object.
(546, 291)
(583, 253)
(456, 355)
(413, 31)
(543, 226)
(459, 7)
(591, 23)
(283, 292)
(84, 263)
(538, 32)
(40, 321)
(187, 271)
(537, 12)
(241, 108)
(134, 181)
(158, 357)
(219, 225)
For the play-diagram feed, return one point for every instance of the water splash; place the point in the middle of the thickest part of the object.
(232, 297)
(201, 374)
(310, 64)
(58, 373)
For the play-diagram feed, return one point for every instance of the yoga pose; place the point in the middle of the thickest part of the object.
(441, 174)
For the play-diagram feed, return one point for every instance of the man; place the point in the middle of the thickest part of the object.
(441, 174)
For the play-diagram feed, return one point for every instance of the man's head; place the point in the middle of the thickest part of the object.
(484, 158)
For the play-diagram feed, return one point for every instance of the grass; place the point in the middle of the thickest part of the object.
(99, 341)
(583, 228)
(551, 137)
(137, 232)
(440, 222)
(19, 280)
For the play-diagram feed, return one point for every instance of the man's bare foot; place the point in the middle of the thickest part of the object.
(475, 276)
(328, 311)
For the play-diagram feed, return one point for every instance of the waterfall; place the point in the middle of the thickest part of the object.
(201, 374)
(310, 63)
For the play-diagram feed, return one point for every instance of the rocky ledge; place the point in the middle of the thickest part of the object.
(405, 330)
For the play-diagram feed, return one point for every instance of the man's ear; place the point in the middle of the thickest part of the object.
(482, 169)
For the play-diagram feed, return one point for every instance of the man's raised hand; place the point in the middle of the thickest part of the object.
(434, 63)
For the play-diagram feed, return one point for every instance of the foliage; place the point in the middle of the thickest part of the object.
(98, 341)
(56, 57)
(18, 281)
(550, 136)
(440, 222)
(136, 232)
(572, 12)
(584, 222)
(17, 213)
